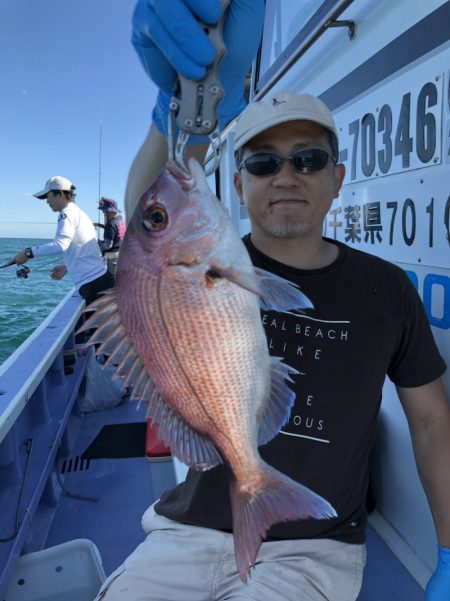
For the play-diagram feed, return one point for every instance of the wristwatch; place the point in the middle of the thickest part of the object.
(29, 253)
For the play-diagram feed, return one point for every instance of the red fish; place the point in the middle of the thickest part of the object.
(184, 326)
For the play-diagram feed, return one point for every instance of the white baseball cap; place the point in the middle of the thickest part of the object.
(57, 182)
(277, 108)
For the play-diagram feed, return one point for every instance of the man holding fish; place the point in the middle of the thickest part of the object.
(274, 505)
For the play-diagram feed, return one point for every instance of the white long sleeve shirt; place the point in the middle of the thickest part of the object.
(75, 237)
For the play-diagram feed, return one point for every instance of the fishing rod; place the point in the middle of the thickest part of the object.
(100, 140)
(32, 222)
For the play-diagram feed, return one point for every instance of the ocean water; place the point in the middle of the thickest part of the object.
(25, 303)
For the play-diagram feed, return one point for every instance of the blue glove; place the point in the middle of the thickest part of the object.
(438, 587)
(168, 40)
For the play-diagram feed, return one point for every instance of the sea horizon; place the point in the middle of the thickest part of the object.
(26, 302)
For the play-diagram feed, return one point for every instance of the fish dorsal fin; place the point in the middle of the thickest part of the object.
(278, 405)
(194, 449)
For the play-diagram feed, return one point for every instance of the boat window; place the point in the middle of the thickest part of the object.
(287, 26)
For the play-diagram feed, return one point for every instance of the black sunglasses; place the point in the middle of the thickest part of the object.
(307, 160)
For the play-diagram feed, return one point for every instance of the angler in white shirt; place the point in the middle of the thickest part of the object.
(75, 238)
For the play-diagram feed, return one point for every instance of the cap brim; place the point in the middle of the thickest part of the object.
(41, 195)
(265, 125)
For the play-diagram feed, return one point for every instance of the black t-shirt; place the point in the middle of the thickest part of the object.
(367, 321)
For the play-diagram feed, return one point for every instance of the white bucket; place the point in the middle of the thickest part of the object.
(71, 571)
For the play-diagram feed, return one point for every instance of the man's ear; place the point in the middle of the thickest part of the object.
(238, 185)
(339, 174)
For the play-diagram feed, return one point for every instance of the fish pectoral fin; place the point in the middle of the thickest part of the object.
(189, 446)
(247, 280)
(276, 294)
(276, 409)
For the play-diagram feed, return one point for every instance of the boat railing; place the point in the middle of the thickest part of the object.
(38, 388)
(20, 378)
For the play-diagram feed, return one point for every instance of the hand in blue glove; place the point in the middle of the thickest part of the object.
(438, 587)
(169, 39)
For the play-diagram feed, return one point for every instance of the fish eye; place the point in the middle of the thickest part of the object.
(155, 218)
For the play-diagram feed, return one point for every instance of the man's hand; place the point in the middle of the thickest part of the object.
(19, 259)
(58, 272)
(162, 39)
(438, 587)
(169, 39)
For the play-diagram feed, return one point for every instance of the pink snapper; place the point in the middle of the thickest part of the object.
(184, 326)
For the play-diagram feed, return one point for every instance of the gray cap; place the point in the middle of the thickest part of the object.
(280, 107)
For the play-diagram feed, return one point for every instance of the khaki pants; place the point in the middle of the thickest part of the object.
(177, 562)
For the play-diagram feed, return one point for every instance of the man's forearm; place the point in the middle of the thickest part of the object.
(432, 452)
(150, 159)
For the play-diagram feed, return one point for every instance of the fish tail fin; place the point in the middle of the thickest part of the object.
(278, 500)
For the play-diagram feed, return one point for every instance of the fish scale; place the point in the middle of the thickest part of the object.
(211, 362)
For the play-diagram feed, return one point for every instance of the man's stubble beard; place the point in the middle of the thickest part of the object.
(286, 229)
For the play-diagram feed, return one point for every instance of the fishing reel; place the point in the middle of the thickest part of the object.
(23, 271)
